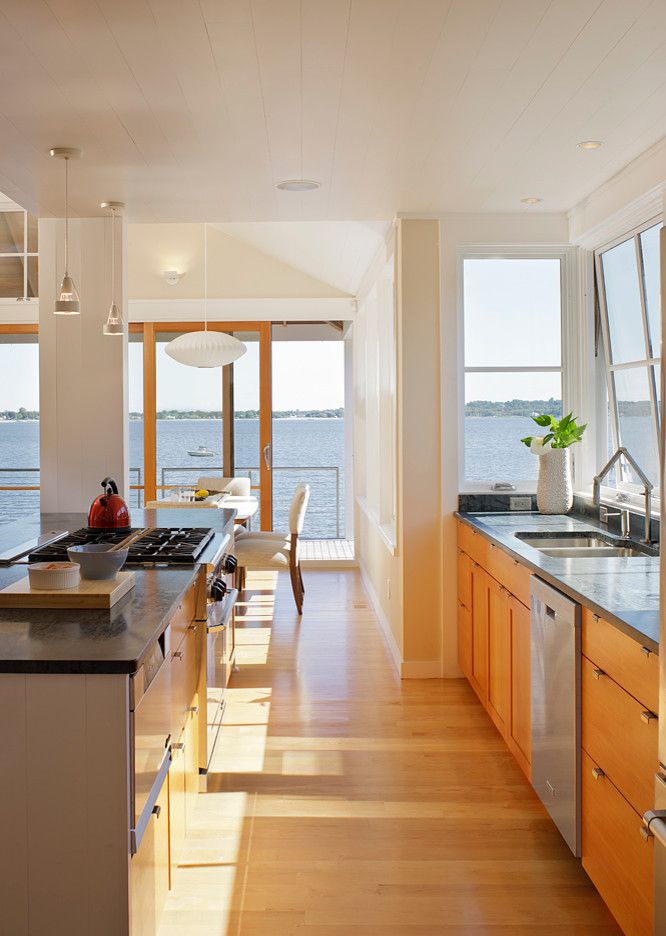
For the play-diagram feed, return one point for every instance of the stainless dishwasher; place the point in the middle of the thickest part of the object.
(556, 724)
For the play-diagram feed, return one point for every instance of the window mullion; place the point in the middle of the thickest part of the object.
(646, 332)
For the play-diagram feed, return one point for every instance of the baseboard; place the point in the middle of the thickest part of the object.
(421, 669)
(385, 627)
(320, 565)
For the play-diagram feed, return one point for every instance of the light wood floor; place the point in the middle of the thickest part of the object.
(347, 802)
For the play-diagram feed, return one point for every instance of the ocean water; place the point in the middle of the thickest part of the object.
(309, 450)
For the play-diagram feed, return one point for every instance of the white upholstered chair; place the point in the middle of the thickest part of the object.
(263, 551)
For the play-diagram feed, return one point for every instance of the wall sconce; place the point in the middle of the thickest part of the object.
(172, 277)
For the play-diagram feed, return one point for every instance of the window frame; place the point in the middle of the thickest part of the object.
(564, 254)
(22, 255)
(631, 492)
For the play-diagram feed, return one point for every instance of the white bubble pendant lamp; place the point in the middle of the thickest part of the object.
(205, 348)
(67, 302)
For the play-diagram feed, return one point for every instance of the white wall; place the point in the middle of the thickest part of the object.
(83, 427)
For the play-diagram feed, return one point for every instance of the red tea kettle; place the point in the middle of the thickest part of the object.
(109, 510)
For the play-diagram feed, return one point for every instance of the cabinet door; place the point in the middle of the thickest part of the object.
(499, 656)
(480, 596)
(615, 855)
(464, 579)
(177, 801)
(465, 639)
(520, 727)
(149, 871)
(191, 752)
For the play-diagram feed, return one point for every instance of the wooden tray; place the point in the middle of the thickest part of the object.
(87, 594)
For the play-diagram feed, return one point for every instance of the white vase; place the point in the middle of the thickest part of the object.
(555, 487)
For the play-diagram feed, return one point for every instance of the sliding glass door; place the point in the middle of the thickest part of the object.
(200, 422)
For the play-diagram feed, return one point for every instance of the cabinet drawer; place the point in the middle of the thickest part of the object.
(509, 573)
(149, 871)
(465, 579)
(620, 735)
(632, 666)
(473, 543)
(615, 855)
(185, 613)
(184, 678)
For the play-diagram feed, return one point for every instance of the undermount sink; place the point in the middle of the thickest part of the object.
(568, 545)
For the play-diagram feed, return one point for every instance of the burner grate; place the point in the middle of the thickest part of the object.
(164, 545)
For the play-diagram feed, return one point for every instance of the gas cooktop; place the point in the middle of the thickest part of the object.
(155, 546)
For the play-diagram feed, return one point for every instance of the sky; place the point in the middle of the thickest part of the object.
(306, 375)
(512, 318)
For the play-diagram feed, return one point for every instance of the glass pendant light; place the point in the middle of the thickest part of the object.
(205, 348)
(114, 322)
(67, 302)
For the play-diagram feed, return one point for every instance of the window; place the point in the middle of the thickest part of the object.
(19, 422)
(18, 255)
(512, 313)
(629, 302)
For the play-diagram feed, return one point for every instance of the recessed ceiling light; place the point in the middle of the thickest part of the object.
(589, 144)
(531, 200)
(298, 185)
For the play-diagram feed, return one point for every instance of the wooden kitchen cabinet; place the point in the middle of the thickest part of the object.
(149, 871)
(465, 639)
(465, 579)
(480, 601)
(615, 855)
(499, 656)
(520, 741)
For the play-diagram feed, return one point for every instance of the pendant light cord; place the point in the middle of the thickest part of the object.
(113, 255)
(205, 276)
(66, 215)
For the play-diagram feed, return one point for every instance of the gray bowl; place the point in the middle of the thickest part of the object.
(96, 560)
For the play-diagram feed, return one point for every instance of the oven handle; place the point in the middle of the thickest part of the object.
(228, 603)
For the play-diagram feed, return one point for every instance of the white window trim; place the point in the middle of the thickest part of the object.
(566, 254)
(20, 255)
(629, 493)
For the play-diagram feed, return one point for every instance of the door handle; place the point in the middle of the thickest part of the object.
(267, 455)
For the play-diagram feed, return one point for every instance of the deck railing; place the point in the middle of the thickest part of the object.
(247, 471)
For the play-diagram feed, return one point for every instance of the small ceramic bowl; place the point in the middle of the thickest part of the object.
(54, 576)
(97, 561)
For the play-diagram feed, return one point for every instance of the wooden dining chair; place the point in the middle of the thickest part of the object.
(264, 551)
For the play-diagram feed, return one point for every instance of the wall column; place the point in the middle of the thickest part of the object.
(83, 373)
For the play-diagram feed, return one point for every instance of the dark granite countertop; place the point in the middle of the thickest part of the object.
(93, 641)
(624, 591)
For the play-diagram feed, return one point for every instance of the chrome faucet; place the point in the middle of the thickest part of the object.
(647, 493)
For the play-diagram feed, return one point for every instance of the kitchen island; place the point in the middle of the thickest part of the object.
(99, 713)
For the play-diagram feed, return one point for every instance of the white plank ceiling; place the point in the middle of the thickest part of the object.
(194, 109)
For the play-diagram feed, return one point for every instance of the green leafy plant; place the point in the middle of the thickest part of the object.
(561, 432)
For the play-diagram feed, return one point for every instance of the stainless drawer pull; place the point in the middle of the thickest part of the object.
(598, 673)
(194, 709)
(156, 811)
(598, 773)
(646, 651)
(648, 716)
(177, 655)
